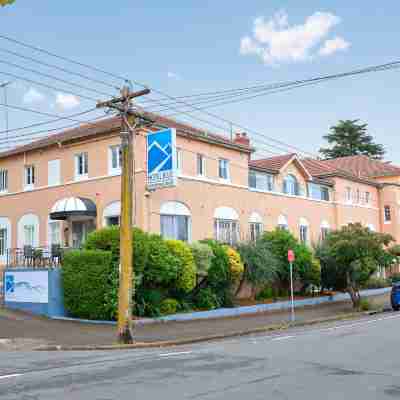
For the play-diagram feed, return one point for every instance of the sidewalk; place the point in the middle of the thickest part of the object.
(34, 331)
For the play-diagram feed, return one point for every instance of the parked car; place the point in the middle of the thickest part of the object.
(395, 296)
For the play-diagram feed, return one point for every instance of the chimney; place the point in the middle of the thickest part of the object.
(242, 139)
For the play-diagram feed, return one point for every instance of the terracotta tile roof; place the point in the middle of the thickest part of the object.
(272, 164)
(111, 124)
(363, 166)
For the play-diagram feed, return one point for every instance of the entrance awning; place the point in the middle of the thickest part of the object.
(73, 207)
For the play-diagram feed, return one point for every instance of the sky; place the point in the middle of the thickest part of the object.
(189, 47)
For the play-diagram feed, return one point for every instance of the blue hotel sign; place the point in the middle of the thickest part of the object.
(161, 159)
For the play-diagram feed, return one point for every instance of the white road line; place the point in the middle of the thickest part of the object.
(177, 353)
(282, 337)
(10, 376)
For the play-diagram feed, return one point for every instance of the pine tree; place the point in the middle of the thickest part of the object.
(348, 138)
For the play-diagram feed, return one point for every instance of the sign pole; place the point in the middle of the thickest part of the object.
(291, 258)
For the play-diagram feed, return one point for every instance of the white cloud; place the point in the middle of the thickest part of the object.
(33, 96)
(275, 41)
(66, 101)
(333, 45)
(173, 75)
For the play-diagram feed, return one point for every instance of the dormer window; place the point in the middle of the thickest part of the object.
(291, 185)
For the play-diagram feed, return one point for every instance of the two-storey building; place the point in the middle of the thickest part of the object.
(55, 190)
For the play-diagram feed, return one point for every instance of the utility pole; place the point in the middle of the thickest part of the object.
(4, 87)
(126, 273)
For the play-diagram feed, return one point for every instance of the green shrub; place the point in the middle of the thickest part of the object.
(162, 266)
(219, 276)
(206, 299)
(364, 305)
(86, 278)
(149, 302)
(376, 283)
(169, 306)
(266, 293)
(395, 277)
(203, 256)
(186, 279)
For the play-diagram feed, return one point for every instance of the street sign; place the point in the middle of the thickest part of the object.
(290, 256)
(161, 159)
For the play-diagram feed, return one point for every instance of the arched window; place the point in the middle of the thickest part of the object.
(28, 231)
(303, 230)
(256, 226)
(112, 214)
(5, 238)
(325, 228)
(291, 185)
(226, 225)
(175, 221)
(283, 222)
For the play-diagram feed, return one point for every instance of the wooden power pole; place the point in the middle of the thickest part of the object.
(126, 273)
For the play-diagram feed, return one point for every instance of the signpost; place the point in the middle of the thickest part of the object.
(291, 258)
(161, 159)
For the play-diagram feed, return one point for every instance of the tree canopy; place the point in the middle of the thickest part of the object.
(350, 256)
(350, 138)
(6, 2)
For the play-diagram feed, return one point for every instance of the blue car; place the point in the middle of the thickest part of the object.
(395, 296)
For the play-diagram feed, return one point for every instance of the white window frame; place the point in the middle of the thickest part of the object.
(348, 195)
(85, 166)
(256, 230)
(3, 181)
(54, 233)
(29, 235)
(223, 165)
(263, 181)
(3, 241)
(291, 185)
(283, 222)
(231, 233)
(29, 177)
(201, 164)
(114, 170)
(387, 216)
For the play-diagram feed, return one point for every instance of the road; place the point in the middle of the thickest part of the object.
(353, 359)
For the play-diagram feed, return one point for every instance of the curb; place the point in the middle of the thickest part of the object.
(200, 339)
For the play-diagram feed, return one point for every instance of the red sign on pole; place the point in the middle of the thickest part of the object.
(290, 256)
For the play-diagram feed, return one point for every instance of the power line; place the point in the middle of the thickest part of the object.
(49, 53)
(47, 122)
(54, 78)
(25, 138)
(83, 76)
(20, 78)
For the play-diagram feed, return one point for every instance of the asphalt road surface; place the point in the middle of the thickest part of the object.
(354, 359)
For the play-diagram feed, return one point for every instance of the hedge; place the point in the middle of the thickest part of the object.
(86, 279)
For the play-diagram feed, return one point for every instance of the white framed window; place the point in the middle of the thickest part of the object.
(175, 227)
(175, 221)
(201, 165)
(303, 231)
(325, 228)
(54, 233)
(348, 194)
(283, 222)
(81, 166)
(318, 192)
(3, 241)
(261, 181)
(29, 179)
(256, 230)
(226, 231)
(223, 169)
(367, 197)
(387, 214)
(114, 160)
(291, 185)
(3, 181)
(53, 168)
(29, 235)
